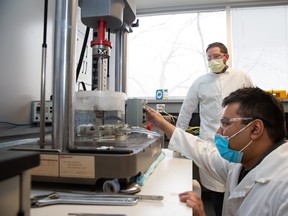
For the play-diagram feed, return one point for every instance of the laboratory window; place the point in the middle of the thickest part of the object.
(260, 45)
(168, 51)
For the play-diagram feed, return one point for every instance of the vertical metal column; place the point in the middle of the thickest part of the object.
(124, 62)
(43, 79)
(121, 61)
(118, 60)
(64, 74)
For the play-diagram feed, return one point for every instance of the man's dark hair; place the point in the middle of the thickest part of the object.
(262, 105)
(223, 48)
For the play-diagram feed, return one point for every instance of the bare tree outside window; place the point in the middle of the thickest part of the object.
(168, 51)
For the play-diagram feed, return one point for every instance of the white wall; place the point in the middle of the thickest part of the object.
(21, 38)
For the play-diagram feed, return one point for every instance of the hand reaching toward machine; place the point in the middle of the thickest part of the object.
(159, 122)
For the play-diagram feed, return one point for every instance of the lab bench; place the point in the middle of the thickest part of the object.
(170, 177)
(15, 181)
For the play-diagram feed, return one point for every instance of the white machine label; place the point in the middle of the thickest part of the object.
(48, 166)
(77, 166)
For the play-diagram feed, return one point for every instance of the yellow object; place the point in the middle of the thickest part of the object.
(193, 130)
(278, 93)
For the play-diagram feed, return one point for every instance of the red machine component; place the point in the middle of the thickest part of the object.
(101, 35)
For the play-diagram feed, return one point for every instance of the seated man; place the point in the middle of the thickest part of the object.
(251, 153)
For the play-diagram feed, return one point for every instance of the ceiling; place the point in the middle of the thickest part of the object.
(158, 6)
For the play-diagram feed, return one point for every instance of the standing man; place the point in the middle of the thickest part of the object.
(207, 93)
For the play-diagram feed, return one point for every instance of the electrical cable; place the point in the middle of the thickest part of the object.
(45, 24)
(83, 85)
(192, 129)
(108, 61)
(82, 53)
(14, 124)
(173, 118)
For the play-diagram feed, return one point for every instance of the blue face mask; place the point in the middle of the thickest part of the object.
(222, 144)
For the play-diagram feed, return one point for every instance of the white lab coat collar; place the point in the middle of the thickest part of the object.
(261, 174)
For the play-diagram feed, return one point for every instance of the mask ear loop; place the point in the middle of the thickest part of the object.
(246, 146)
(240, 131)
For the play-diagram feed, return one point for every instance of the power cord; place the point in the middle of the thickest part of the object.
(14, 124)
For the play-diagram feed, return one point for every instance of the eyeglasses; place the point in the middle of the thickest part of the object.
(215, 56)
(225, 122)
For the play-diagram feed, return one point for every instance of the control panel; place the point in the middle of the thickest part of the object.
(35, 111)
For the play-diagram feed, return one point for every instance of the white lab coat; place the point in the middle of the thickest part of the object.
(263, 191)
(208, 91)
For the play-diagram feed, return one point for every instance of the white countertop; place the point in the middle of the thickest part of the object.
(170, 177)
